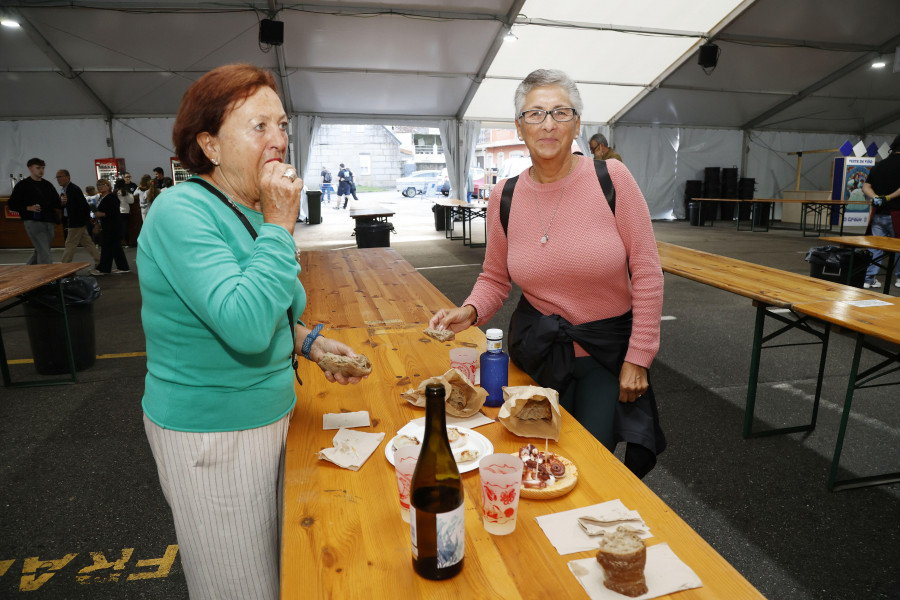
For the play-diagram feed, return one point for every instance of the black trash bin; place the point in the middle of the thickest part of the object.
(314, 206)
(694, 213)
(832, 263)
(47, 329)
(440, 217)
(373, 234)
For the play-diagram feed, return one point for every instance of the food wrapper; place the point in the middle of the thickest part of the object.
(531, 411)
(463, 398)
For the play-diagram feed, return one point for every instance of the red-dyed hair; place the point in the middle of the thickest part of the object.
(205, 104)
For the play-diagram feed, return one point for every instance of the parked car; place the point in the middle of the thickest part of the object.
(513, 166)
(475, 174)
(418, 182)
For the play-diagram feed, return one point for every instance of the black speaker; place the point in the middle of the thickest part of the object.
(709, 56)
(271, 32)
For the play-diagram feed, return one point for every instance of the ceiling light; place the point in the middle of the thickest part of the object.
(510, 36)
(879, 64)
(9, 23)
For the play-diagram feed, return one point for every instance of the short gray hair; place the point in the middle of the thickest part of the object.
(542, 77)
(599, 139)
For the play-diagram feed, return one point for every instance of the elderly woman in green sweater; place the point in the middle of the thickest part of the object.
(221, 307)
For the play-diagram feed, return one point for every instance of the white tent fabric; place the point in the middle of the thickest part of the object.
(459, 140)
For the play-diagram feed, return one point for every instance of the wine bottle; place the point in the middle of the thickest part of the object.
(436, 507)
(494, 368)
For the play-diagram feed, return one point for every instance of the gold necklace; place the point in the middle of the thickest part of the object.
(546, 237)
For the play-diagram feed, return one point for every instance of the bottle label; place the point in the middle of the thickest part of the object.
(451, 535)
(494, 345)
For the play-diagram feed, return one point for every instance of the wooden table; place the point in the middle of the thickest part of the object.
(816, 208)
(343, 535)
(887, 245)
(807, 299)
(373, 213)
(468, 211)
(20, 279)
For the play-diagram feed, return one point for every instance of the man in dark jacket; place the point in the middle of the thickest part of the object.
(79, 212)
(883, 188)
(37, 201)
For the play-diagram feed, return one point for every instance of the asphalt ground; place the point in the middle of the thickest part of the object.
(82, 514)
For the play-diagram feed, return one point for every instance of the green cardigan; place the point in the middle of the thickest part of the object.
(215, 314)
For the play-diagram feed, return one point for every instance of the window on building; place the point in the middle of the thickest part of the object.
(499, 160)
(365, 164)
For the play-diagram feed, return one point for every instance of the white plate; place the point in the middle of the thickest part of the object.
(476, 442)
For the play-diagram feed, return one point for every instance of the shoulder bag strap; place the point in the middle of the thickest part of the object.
(249, 226)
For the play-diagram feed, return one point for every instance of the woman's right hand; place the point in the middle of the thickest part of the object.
(454, 319)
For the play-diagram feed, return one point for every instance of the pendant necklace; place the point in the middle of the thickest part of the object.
(546, 237)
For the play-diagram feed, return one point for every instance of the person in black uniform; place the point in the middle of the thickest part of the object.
(110, 242)
(883, 188)
(79, 212)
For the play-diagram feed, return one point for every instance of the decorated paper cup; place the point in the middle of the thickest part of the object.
(501, 480)
(405, 460)
(465, 360)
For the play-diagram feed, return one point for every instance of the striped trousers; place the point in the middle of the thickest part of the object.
(224, 489)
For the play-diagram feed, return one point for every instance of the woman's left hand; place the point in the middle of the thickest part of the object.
(323, 345)
(279, 196)
(633, 382)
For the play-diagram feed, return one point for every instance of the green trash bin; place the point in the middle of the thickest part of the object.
(314, 207)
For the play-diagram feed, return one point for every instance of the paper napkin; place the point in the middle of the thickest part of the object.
(348, 419)
(472, 421)
(351, 448)
(664, 574)
(568, 536)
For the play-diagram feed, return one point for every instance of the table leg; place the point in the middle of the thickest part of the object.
(853, 384)
(890, 272)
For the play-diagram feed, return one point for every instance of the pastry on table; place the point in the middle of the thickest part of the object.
(623, 555)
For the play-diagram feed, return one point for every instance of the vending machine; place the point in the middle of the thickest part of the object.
(109, 168)
(179, 173)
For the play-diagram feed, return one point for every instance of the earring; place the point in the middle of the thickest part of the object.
(214, 162)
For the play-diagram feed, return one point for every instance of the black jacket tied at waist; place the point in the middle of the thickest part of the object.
(541, 345)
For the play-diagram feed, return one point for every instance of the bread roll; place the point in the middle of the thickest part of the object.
(623, 555)
(442, 335)
(346, 366)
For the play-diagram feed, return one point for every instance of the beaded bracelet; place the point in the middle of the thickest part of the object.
(308, 342)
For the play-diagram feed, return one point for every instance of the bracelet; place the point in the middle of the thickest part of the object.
(308, 342)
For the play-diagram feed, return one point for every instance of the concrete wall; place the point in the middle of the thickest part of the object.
(353, 145)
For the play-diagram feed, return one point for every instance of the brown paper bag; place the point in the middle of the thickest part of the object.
(462, 398)
(531, 411)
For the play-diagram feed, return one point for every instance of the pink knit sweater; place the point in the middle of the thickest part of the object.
(581, 273)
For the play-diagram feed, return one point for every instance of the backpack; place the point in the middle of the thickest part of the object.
(602, 176)
(327, 177)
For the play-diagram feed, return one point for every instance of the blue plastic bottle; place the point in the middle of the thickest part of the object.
(494, 368)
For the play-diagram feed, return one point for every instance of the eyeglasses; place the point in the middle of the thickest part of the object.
(560, 115)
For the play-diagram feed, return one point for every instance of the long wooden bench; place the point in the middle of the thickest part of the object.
(807, 301)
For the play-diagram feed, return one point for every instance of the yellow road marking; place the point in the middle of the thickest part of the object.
(25, 361)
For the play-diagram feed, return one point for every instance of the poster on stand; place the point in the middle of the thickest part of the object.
(850, 173)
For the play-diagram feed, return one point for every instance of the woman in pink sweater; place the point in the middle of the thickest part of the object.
(588, 321)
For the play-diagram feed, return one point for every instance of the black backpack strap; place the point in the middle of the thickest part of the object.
(506, 201)
(609, 190)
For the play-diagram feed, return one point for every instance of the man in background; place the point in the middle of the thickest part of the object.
(162, 182)
(326, 185)
(79, 219)
(883, 188)
(37, 202)
(600, 148)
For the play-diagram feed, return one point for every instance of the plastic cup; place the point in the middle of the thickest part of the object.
(501, 480)
(405, 460)
(465, 360)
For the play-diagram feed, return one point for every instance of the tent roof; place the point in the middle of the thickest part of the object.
(802, 65)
